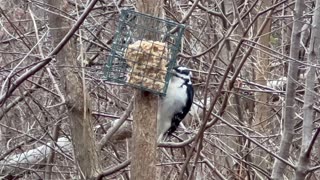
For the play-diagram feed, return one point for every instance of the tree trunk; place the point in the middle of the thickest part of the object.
(144, 137)
(309, 97)
(77, 99)
(262, 109)
(144, 142)
(289, 112)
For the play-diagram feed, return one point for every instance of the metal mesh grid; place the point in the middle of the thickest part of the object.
(144, 49)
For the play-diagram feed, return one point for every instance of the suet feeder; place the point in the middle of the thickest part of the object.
(144, 51)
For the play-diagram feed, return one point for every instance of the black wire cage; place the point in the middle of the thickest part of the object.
(144, 51)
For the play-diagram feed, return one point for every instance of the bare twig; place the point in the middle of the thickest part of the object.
(122, 119)
(51, 55)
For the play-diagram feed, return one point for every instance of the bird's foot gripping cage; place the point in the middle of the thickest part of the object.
(144, 51)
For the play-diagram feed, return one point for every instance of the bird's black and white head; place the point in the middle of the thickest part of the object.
(181, 73)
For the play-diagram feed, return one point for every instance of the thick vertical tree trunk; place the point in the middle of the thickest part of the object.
(262, 109)
(77, 100)
(143, 165)
(289, 111)
(144, 138)
(309, 97)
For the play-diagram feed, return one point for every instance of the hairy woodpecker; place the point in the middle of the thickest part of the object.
(174, 107)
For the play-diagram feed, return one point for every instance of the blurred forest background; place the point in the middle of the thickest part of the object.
(255, 70)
